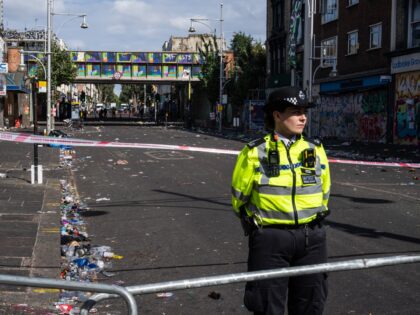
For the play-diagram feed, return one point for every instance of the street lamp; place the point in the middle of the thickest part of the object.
(192, 30)
(36, 170)
(50, 13)
(310, 55)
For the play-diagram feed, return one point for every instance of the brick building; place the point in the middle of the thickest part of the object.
(353, 38)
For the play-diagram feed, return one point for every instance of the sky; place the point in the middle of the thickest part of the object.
(135, 25)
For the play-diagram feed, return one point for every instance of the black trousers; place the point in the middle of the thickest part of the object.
(271, 248)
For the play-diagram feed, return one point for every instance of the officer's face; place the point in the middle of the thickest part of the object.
(291, 122)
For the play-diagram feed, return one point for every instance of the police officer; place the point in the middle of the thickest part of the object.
(280, 191)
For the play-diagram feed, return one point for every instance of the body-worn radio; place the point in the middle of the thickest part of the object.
(273, 163)
(308, 158)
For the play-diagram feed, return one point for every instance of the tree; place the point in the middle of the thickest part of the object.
(249, 71)
(210, 71)
(131, 91)
(63, 70)
(250, 68)
(106, 93)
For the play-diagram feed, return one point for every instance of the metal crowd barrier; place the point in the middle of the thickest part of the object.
(75, 286)
(255, 275)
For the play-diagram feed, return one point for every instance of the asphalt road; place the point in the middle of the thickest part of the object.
(169, 215)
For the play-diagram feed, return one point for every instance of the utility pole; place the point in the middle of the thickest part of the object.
(221, 70)
(49, 34)
(1, 17)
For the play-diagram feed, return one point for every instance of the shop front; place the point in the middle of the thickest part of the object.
(17, 101)
(353, 110)
(406, 71)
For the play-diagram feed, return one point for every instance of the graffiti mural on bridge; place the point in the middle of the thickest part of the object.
(407, 108)
(352, 116)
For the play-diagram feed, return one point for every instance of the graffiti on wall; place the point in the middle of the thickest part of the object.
(359, 116)
(407, 108)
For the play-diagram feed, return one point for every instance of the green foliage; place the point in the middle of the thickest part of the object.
(106, 93)
(132, 91)
(210, 71)
(63, 70)
(250, 68)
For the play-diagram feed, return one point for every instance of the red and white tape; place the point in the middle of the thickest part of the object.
(28, 138)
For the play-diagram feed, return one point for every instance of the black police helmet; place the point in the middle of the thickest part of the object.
(289, 96)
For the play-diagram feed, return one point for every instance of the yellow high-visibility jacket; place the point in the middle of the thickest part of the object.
(295, 196)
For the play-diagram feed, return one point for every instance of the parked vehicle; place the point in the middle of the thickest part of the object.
(124, 107)
(99, 106)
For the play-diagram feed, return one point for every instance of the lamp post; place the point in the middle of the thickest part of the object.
(37, 169)
(50, 13)
(191, 29)
(310, 55)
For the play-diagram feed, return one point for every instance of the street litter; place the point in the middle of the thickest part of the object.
(214, 295)
(121, 162)
(164, 294)
(103, 199)
(80, 260)
(3, 175)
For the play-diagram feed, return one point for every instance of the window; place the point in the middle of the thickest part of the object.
(329, 52)
(375, 36)
(353, 2)
(414, 24)
(352, 42)
(278, 15)
(329, 10)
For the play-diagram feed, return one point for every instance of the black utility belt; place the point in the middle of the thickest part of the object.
(311, 224)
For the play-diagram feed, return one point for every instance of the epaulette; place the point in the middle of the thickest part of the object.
(255, 143)
(315, 141)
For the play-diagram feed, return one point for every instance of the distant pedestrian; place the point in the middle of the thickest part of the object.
(280, 191)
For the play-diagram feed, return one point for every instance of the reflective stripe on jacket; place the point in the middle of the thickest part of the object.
(296, 196)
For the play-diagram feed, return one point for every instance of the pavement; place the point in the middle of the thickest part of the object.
(30, 215)
(29, 224)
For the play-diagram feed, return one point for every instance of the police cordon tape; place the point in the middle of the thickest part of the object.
(28, 138)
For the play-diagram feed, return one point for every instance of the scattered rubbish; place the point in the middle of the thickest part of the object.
(45, 290)
(80, 261)
(164, 294)
(58, 133)
(214, 295)
(3, 175)
(64, 308)
(108, 274)
(121, 162)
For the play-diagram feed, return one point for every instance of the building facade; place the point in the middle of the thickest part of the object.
(352, 38)
(279, 72)
(405, 71)
(358, 60)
